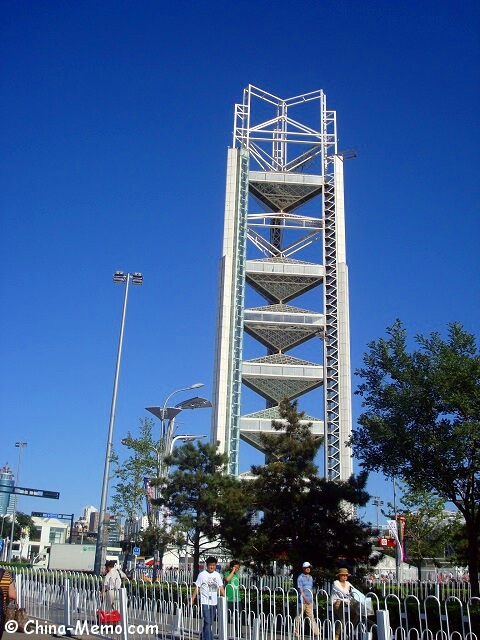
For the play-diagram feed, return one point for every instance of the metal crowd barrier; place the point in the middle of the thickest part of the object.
(163, 610)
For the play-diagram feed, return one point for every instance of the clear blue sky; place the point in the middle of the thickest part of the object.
(115, 122)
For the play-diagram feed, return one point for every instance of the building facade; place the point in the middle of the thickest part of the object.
(283, 313)
(7, 483)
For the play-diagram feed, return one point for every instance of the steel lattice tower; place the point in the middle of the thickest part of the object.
(292, 171)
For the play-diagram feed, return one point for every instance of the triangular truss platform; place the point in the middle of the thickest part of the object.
(284, 199)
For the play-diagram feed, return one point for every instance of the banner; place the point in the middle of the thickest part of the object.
(392, 525)
(149, 492)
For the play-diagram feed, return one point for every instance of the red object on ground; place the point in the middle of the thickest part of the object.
(108, 617)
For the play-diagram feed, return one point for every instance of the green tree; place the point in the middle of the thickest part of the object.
(429, 534)
(422, 420)
(458, 547)
(157, 537)
(23, 525)
(197, 493)
(130, 492)
(303, 516)
(130, 495)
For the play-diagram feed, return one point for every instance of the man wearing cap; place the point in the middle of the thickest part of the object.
(345, 606)
(305, 600)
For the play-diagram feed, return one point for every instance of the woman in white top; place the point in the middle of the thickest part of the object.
(345, 607)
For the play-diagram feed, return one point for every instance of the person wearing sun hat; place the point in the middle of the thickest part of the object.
(345, 607)
(305, 600)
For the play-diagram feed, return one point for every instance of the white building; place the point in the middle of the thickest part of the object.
(49, 531)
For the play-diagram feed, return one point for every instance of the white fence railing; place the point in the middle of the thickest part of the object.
(67, 600)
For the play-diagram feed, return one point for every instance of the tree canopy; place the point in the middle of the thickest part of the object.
(303, 516)
(197, 494)
(23, 524)
(130, 497)
(429, 531)
(422, 419)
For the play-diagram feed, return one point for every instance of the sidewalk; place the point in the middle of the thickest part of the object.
(38, 628)
(43, 630)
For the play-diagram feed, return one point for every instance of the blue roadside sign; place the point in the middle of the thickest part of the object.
(136, 551)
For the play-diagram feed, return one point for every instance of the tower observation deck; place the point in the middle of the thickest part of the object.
(284, 239)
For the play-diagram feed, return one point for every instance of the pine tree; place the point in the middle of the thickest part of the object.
(302, 516)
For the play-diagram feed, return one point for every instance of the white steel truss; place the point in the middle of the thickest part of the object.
(280, 164)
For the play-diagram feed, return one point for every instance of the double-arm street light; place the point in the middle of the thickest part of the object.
(167, 441)
(167, 416)
(123, 278)
(20, 446)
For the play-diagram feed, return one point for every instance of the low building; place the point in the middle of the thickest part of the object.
(48, 531)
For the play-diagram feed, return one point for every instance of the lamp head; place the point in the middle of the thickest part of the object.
(137, 278)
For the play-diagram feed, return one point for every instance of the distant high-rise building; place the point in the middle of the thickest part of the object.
(87, 511)
(6, 497)
(113, 526)
(94, 518)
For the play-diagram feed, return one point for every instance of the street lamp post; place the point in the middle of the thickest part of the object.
(378, 503)
(197, 385)
(167, 417)
(20, 446)
(184, 438)
(119, 277)
(398, 549)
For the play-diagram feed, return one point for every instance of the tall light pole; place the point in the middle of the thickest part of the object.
(378, 503)
(119, 277)
(20, 446)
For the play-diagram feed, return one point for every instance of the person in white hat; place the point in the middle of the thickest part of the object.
(305, 600)
(345, 607)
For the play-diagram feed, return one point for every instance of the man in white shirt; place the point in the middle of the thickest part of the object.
(111, 584)
(209, 582)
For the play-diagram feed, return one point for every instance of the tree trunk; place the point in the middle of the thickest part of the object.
(196, 553)
(472, 555)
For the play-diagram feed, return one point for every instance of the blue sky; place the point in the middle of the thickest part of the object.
(115, 122)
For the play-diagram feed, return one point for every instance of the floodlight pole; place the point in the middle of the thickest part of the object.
(20, 445)
(121, 277)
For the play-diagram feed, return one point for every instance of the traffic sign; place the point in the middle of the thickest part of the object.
(136, 551)
(60, 516)
(36, 493)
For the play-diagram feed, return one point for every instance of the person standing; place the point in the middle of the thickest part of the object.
(209, 582)
(345, 607)
(112, 584)
(305, 600)
(232, 591)
(9, 594)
